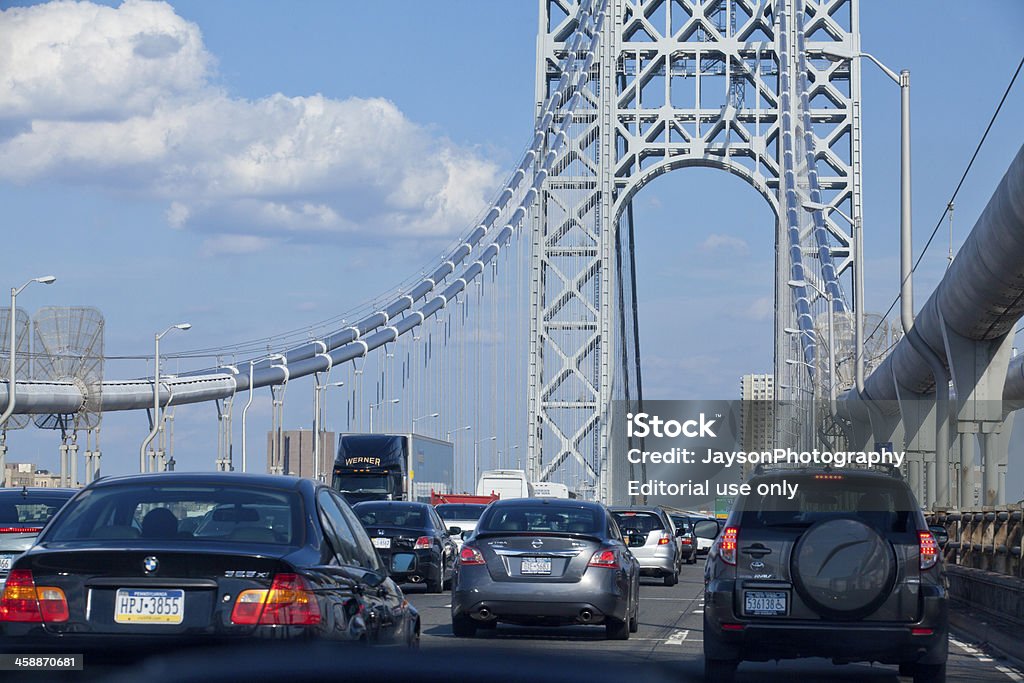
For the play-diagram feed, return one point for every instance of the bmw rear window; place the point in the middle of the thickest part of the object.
(182, 513)
(884, 504)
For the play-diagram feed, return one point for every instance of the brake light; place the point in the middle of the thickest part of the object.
(687, 540)
(23, 601)
(733, 627)
(19, 530)
(665, 539)
(921, 631)
(929, 549)
(470, 555)
(289, 602)
(604, 558)
(829, 477)
(727, 544)
(422, 543)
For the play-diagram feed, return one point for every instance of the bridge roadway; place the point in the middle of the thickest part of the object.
(670, 638)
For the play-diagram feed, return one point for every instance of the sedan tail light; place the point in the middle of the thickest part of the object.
(687, 540)
(470, 555)
(422, 543)
(727, 544)
(929, 549)
(23, 601)
(604, 558)
(289, 602)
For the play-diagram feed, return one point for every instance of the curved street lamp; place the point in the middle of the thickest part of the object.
(156, 392)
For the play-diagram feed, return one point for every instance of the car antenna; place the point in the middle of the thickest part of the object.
(24, 490)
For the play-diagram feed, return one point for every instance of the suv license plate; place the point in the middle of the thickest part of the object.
(535, 565)
(764, 602)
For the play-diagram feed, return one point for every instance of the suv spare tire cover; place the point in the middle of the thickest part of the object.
(843, 569)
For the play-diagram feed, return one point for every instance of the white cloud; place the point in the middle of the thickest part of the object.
(715, 242)
(234, 244)
(124, 98)
(762, 308)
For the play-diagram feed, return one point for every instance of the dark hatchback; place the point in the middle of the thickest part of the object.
(412, 541)
(140, 563)
(846, 569)
(23, 514)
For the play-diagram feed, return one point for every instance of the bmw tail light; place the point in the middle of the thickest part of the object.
(929, 549)
(665, 538)
(422, 543)
(604, 558)
(23, 601)
(289, 602)
(727, 544)
(470, 555)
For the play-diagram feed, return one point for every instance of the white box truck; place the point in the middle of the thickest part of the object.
(504, 483)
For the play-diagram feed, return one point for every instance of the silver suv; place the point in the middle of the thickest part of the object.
(847, 569)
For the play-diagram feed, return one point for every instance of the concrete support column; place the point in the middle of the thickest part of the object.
(966, 440)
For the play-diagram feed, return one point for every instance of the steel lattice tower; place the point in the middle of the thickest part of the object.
(682, 83)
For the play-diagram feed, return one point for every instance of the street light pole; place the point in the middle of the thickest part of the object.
(245, 409)
(12, 381)
(423, 417)
(476, 458)
(156, 392)
(448, 437)
(378, 405)
(814, 398)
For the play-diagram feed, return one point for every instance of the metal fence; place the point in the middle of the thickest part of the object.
(988, 539)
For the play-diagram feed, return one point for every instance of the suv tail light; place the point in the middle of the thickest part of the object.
(470, 555)
(19, 529)
(604, 558)
(665, 538)
(422, 543)
(288, 602)
(727, 544)
(23, 601)
(929, 549)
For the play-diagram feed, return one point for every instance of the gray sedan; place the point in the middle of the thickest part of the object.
(546, 562)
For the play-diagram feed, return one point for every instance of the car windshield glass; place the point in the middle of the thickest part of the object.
(192, 514)
(391, 514)
(362, 483)
(885, 504)
(642, 522)
(541, 518)
(31, 510)
(453, 511)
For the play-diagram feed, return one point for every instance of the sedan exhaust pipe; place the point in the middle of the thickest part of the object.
(416, 578)
(483, 613)
(586, 616)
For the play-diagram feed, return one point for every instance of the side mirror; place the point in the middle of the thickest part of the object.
(455, 530)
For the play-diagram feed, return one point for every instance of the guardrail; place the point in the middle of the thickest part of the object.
(987, 538)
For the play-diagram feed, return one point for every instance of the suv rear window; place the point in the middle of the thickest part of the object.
(884, 504)
(644, 522)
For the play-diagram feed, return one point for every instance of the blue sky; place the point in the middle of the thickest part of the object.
(171, 215)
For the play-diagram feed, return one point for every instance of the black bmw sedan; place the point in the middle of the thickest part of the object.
(412, 540)
(149, 561)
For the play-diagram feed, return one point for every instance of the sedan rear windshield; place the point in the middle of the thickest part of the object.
(392, 514)
(17, 510)
(884, 504)
(541, 518)
(192, 514)
(642, 522)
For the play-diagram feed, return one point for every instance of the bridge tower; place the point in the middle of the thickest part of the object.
(768, 90)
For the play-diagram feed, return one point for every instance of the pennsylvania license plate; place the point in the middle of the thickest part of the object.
(535, 565)
(382, 543)
(769, 603)
(145, 606)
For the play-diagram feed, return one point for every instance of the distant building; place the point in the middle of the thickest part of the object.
(18, 474)
(296, 457)
(757, 414)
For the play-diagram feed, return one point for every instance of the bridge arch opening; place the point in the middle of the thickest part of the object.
(704, 252)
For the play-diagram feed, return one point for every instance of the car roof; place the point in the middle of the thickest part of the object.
(566, 503)
(654, 509)
(37, 492)
(852, 472)
(279, 481)
(410, 503)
